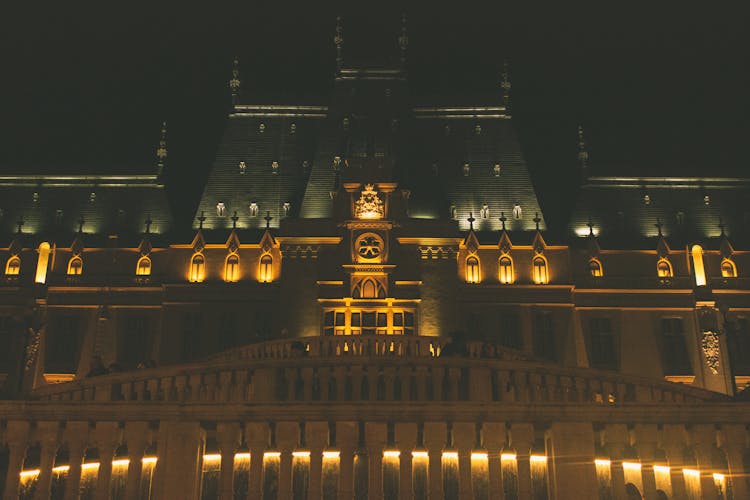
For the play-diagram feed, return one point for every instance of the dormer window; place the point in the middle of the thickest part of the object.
(305, 164)
(680, 218)
(275, 167)
(143, 267)
(262, 128)
(59, 216)
(221, 209)
(466, 169)
(35, 197)
(478, 129)
(232, 268)
(472, 270)
(293, 129)
(496, 169)
(336, 162)
(485, 212)
(505, 267)
(541, 277)
(92, 197)
(664, 268)
(728, 269)
(454, 212)
(265, 270)
(696, 252)
(595, 268)
(646, 199)
(13, 266)
(706, 200)
(517, 213)
(242, 167)
(253, 209)
(75, 266)
(197, 268)
(287, 208)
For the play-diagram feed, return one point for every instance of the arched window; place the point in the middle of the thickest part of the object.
(42, 263)
(595, 268)
(540, 270)
(696, 253)
(13, 266)
(664, 268)
(472, 270)
(728, 269)
(232, 268)
(143, 267)
(197, 268)
(75, 266)
(369, 289)
(505, 266)
(265, 273)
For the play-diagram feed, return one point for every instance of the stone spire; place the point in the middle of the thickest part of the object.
(235, 82)
(161, 151)
(338, 41)
(403, 41)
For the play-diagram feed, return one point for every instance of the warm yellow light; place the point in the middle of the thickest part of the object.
(718, 477)
(265, 269)
(272, 454)
(691, 472)
(538, 458)
(331, 454)
(508, 456)
(61, 468)
(197, 268)
(212, 457)
(479, 455)
(603, 462)
(143, 266)
(13, 266)
(631, 465)
(539, 270)
(149, 460)
(700, 273)
(663, 469)
(472, 270)
(242, 456)
(90, 465)
(391, 454)
(301, 454)
(25, 474)
(120, 462)
(450, 455)
(42, 263)
(419, 454)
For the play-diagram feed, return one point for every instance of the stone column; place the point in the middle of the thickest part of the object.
(256, 437)
(434, 440)
(316, 437)
(572, 459)
(406, 441)
(674, 439)
(76, 435)
(17, 439)
(49, 439)
(180, 458)
(494, 441)
(616, 436)
(107, 439)
(522, 439)
(375, 441)
(733, 444)
(646, 440)
(228, 436)
(464, 438)
(136, 438)
(287, 439)
(704, 441)
(346, 441)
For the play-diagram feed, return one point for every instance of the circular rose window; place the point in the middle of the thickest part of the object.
(369, 246)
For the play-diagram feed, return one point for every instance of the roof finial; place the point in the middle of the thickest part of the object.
(471, 220)
(505, 85)
(537, 220)
(503, 218)
(591, 228)
(658, 226)
(338, 41)
(20, 223)
(583, 155)
(201, 219)
(161, 151)
(268, 219)
(81, 221)
(234, 82)
(234, 220)
(721, 226)
(148, 223)
(403, 40)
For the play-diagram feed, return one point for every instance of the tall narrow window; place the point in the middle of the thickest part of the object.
(595, 268)
(602, 352)
(13, 266)
(545, 346)
(42, 263)
(728, 269)
(664, 268)
(232, 268)
(369, 289)
(143, 267)
(675, 359)
(75, 266)
(505, 266)
(540, 270)
(696, 253)
(472, 270)
(265, 274)
(197, 268)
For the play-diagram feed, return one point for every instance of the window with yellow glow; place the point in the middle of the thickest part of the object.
(696, 252)
(42, 263)
(143, 267)
(664, 268)
(13, 266)
(595, 268)
(197, 268)
(75, 266)
(232, 268)
(728, 269)
(368, 288)
(541, 276)
(377, 321)
(505, 266)
(265, 271)
(472, 270)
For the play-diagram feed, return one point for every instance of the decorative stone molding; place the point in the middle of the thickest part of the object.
(369, 205)
(711, 350)
(437, 252)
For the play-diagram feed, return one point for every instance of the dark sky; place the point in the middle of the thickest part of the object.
(658, 92)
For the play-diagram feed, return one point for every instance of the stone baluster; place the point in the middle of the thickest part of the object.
(494, 441)
(17, 433)
(228, 436)
(77, 436)
(674, 440)
(522, 439)
(704, 442)
(346, 441)
(572, 459)
(136, 438)
(434, 440)
(316, 437)
(256, 437)
(406, 441)
(375, 441)
(646, 441)
(734, 439)
(107, 438)
(49, 438)
(617, 438)
(464, 438)
(287, 439)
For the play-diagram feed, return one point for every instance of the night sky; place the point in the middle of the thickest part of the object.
(658, 92)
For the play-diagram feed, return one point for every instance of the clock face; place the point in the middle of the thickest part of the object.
(369, 247)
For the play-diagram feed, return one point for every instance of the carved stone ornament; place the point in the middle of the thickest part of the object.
(369, 247)
(711, 350)
(369, 205)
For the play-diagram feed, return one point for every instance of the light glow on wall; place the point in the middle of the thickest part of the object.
(391, 454)
(538, 458)
(301, 454)
(700, 273)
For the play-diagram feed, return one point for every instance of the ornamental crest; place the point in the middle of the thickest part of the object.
(712, 350)
(369, 205)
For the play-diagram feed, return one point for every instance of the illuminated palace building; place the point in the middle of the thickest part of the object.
(370, 304)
